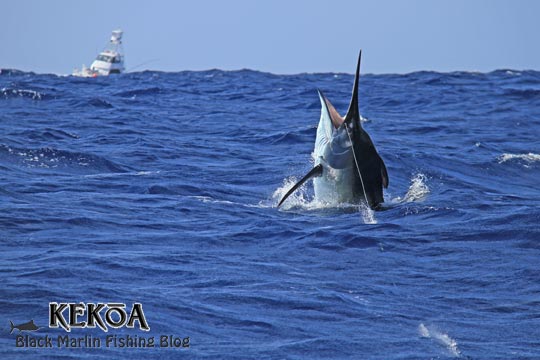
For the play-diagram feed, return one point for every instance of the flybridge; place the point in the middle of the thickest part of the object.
(90, 315)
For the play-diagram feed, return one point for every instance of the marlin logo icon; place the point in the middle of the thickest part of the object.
(27, 326)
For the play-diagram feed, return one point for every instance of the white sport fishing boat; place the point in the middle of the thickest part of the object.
(109, 61)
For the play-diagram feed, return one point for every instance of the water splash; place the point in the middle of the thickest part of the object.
(301, 200)
(418, 190)
(368, 215)
(442, 338)
(297, 199)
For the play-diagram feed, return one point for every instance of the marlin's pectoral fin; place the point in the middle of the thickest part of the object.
(316, 171)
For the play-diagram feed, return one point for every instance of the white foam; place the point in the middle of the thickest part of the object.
(208, 199)
(300, 199)
(368, 215)
(142, 173)
(424, 332)
(530, 157)
(107, 175)
(418, 190)
(440, 337)
(35, 95)
(296, 199)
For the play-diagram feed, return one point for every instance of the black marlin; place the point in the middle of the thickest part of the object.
(347, 165)
(28, 326)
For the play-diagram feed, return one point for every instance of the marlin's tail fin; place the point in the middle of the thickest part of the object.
(12, 326)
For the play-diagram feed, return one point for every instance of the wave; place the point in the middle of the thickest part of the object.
(290, 137)
(209, 73)
(51, 158)
(140, 92)
(14, 72)
(526, 94)
(529, 158)
(95, 102)
(47, 134)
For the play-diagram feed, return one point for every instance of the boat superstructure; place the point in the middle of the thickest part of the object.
(109, 61)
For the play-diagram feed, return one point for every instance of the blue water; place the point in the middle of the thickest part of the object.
(161, 188)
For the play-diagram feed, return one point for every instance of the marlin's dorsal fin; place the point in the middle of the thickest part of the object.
(316, 171)
(353, 114)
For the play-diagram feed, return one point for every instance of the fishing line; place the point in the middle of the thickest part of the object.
(356, 162)
(141, 64)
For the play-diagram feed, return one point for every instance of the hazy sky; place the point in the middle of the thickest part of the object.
(279, 36)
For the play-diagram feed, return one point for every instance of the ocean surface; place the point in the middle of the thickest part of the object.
(161, 188)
